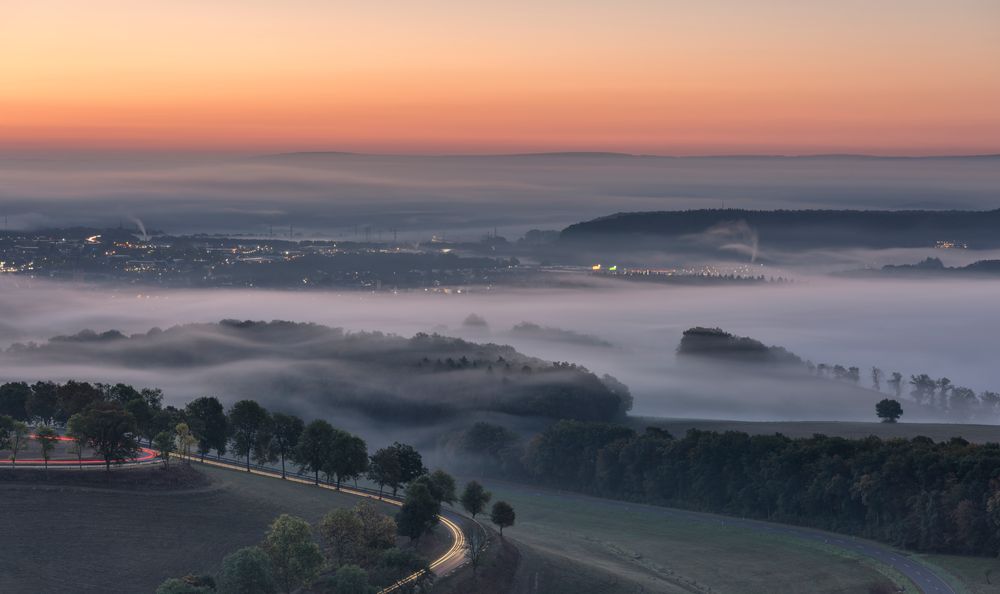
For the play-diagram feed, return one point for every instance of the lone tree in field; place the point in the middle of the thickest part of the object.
(164, 443)
(315, 446)
(295, 558)
(286, 429)
(247, 571)
(208, 423)
(419, 513)
(502, 515)
(475, 498)
(248, 421)
(46, 438)
(109, 431)
(889, 410)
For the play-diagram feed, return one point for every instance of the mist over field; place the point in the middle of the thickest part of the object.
(912, 326)
(329, 194)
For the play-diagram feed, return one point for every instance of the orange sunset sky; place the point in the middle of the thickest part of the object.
(668, 77)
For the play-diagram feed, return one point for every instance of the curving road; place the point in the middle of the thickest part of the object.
(451, 560)
(447, 563)
(145, 456)
(921, 575)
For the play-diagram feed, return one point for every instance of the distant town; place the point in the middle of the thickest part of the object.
(135, 257)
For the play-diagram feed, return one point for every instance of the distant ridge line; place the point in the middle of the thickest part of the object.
(619, 155)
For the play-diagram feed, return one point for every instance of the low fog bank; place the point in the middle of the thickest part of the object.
(911, 326)
(330, 194)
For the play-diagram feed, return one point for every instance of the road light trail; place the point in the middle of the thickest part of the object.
(452, 559)
(145, 455)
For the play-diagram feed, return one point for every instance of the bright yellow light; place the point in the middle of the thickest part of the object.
(595, 267)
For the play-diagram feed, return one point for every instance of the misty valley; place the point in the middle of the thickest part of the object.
(525, 373)
(699, 361)
(554, 297)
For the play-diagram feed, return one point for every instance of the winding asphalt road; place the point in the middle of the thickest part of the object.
(450, 561)
(920, 574)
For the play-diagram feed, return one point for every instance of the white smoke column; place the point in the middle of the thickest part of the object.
(142, 228)
(737, 236)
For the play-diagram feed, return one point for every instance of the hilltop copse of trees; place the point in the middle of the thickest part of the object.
(913, 493)
(714, 342)
(384, 376)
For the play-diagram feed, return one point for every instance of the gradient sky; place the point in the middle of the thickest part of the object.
(656, 76)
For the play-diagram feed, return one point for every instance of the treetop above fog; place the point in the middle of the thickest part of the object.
(377, 374)
(714, 342)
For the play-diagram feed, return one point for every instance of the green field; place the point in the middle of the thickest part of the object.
(853, 430)
(109, 540)
(577, 544)
(974, 575)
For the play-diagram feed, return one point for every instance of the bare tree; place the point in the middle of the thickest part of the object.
(475, 547)
(877, 379)
(896, 383)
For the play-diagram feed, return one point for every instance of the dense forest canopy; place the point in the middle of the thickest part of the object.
(383, 376)
(913, 493)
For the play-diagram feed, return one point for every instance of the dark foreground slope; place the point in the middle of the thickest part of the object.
(110, 540)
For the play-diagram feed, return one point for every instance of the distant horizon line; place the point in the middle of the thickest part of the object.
(596, 154)
(9, 155)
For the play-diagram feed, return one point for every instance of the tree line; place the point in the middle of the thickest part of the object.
(912, 493)
(113, 420)
(940, 394)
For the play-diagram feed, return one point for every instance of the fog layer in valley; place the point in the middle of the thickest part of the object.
(330, 194)
(942, 329)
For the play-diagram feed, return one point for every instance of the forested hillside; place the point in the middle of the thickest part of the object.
(383, 376)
